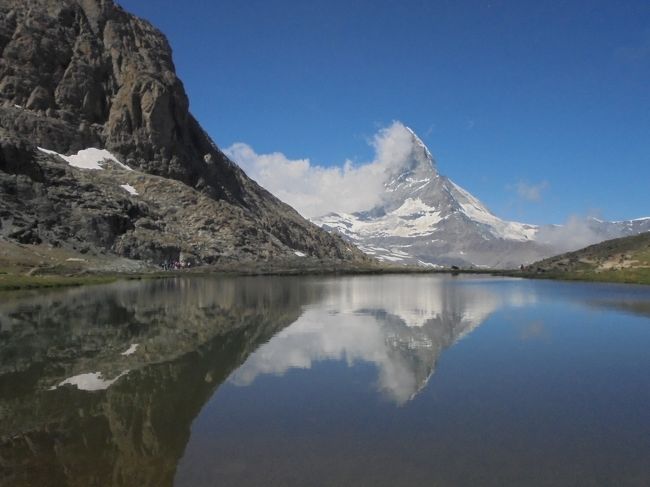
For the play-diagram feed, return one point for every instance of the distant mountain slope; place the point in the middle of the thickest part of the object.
(625, 259)
(616, 254)
(84, 74)
(425, 218)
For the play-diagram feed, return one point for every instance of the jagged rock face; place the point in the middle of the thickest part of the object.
(85, 73)
(100, 75)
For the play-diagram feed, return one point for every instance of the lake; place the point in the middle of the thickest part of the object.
(401, 380)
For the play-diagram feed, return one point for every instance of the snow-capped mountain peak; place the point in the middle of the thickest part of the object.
(425, 218)
(415, 167)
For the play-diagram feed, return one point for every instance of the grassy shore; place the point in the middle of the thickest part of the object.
(13, 282)
(9, 282)
(624, 260)
(33, 267)
(624, 276)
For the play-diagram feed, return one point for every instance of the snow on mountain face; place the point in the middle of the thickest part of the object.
(475, 210)
(427, 219)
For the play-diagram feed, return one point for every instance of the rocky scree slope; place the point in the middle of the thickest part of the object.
(84, 74)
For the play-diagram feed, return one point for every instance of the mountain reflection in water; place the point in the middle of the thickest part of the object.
(401, 324)
(322, 381)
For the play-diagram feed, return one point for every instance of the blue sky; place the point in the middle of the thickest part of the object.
(540, 109)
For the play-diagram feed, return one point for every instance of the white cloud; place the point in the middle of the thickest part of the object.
(531, 192)
(575, 233)
(315, 190)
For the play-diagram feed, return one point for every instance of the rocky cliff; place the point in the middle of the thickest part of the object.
(81, 74)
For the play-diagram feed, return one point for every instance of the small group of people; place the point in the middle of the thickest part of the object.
(175, 265)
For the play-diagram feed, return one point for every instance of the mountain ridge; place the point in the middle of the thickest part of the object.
(426, 218)
(81, 74)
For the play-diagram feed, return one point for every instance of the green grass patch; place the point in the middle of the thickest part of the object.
(10, 282)
(626, 276)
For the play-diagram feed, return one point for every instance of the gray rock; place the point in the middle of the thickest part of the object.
(85, 73)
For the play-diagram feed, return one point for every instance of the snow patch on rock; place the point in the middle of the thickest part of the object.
(131, 350)
(92, 381)
(91, 158)
(130, 189)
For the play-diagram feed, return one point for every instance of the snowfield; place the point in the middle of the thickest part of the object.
(92, 158)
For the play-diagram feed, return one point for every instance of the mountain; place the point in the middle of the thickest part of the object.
(425, 218)
(100, 154)
(605, 230)
(625, 259)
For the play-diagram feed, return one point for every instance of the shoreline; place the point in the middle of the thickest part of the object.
(21, 282)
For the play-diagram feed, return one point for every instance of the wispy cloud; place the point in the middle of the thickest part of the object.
(575, 233)
(315, 190)
(530, 192)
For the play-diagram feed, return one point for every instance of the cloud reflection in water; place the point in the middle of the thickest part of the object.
(400, 324)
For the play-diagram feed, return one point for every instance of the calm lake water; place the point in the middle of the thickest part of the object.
(346, 381)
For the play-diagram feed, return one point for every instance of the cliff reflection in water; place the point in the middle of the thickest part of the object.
(401, 324)
(190, 335)
(100, 385)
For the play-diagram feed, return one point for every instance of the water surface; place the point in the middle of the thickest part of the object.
(373, 380)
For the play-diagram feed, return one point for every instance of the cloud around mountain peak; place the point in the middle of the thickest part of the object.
(315, 190)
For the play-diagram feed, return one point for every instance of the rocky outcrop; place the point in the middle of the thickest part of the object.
(76, 74)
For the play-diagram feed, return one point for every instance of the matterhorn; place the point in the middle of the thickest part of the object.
(425, 218)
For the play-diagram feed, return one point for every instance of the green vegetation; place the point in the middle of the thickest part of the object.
(627, 276)
(10, 282)
(625, 260)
